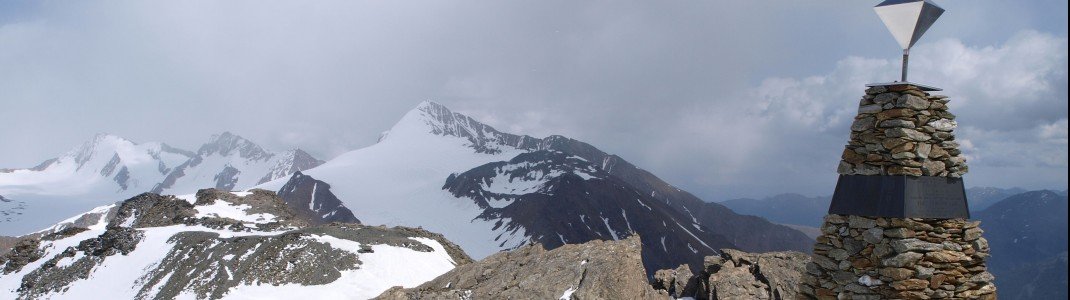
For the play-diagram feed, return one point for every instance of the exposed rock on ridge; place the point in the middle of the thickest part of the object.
(738, 275)
(595, 270)
(216, 243)
(312, 200)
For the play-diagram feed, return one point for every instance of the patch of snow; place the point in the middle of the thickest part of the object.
(610, 229)
(643, 204)
(693, 235)
(567, 295)
(312, 202)
(386, 266)
(625, 215)
(223, 209)
(191, 198)
(130, 219)
(67, 261)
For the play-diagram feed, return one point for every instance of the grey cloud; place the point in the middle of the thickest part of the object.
(691, 91)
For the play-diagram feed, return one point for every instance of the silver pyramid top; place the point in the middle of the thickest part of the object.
(907, 20)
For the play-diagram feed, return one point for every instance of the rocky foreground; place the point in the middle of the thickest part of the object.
(259, 245)
(612, 270)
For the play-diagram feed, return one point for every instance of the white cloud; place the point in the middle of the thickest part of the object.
(1010, 99)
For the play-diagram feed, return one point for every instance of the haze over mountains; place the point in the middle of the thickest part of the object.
(483, 189)
(795, 209)
(109, 168)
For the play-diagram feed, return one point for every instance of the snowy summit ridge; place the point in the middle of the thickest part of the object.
(437, 119)
(107, 168)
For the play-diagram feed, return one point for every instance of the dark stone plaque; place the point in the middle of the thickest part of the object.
(900, 197)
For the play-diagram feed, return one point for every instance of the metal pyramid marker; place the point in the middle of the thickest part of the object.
(908, 20)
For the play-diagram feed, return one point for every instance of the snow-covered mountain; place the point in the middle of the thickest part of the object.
(109, 168)
(490, 191)
(215, 244)
(230, 162)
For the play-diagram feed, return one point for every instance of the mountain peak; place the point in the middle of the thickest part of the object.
(227, 143)
(436, 119)
(84, 152)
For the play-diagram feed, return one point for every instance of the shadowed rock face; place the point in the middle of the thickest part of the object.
(594, 270)
(559, 199)
(747, 233)
(312, 200)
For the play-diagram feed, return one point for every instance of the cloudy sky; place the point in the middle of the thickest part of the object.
(723, 98)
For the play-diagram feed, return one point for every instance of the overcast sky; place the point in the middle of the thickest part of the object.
(723, 98)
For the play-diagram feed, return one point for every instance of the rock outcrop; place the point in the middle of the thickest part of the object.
(594, 270)
(737, 275)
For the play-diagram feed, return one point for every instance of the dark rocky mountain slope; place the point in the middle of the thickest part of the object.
(1028, 236)
(582, 204)
(312, 200)
(785, 208)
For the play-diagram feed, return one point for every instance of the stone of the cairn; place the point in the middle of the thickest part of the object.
(900, 130)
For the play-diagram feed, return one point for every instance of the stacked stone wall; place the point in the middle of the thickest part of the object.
(892, 258)
(902, 130)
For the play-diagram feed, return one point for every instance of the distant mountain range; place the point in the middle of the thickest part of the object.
(109, 168)
(795, 209)
(1028, 236)
(484, 189)
(791, 209)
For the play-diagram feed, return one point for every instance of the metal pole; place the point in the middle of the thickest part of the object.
(906, 55)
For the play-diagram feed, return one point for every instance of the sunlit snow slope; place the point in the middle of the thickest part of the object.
(399, 180)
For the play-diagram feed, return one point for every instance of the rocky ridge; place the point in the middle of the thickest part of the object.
(594, 270)
(737, 275)
(611, 270)
(214, 244)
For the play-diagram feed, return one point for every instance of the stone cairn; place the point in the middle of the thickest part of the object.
(900, 131)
